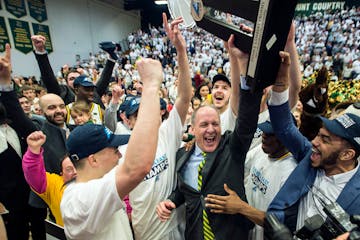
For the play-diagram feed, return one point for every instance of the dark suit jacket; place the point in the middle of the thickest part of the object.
(224, 165)
(64, 91)
(54, 147)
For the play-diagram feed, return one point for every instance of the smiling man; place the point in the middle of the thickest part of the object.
(329, 162)
(215, 159)
(221, 97)
(84, 89)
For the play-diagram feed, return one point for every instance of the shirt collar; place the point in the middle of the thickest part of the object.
(341, 178)
(197, 150)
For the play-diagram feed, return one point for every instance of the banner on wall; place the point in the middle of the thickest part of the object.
(37, 10)
(4, 37)
(307, 7)
(43, 30)
(21, 34)
(16, 7)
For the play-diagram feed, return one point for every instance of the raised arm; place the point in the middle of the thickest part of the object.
(145, 133)
(246, 123)
(248, 109)
(280, 114)
(111, 111)
(295, 74)
(184, 89)
(33, 162)
(105, 77)
(20, 122)
(238, 66)
(47, 73)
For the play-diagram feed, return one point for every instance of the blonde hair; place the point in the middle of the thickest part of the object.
(80, 107)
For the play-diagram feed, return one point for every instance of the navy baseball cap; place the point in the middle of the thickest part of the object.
(346, 126)
(221, 77)
(163, 104)
(84, 81)
(267, 128)
(132, 106)
(91, 138)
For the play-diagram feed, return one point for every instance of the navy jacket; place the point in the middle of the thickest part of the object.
(285, 203)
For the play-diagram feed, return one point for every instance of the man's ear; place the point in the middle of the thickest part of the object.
(92, 160)
(347, 154)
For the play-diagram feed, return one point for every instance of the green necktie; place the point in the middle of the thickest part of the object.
(208, 233)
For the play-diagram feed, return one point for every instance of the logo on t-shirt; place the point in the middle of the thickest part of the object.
(160, 164)
(258, 180)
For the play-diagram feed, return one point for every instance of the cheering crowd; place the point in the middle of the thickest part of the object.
(166, 140)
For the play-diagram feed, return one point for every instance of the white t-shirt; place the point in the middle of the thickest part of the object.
(266, 177)
(121, 129)
(94, 210)
(158, 185)
(227, 120)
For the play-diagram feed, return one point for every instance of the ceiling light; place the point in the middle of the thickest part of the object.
(161, 2)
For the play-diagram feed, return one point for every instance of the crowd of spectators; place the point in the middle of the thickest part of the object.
(198, 70)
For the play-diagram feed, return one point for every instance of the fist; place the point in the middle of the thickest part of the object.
(164, 210)
(39, 42)
(35, 140)
(150, 71)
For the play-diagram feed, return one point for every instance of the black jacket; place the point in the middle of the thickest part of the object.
(224, 165)
(64, 91)
(54, 147)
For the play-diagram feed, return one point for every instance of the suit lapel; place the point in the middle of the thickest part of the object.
(184, 158)
(350, 191)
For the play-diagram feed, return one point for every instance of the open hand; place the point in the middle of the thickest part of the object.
(173, 32)
(5, 66)
(229, 204)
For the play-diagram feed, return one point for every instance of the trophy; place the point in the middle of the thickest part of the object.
(270, 21)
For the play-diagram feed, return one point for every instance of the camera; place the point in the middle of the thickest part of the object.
(337, 222)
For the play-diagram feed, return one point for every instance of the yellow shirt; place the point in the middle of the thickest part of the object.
(53, 194)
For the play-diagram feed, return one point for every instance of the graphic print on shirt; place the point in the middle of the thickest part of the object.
(258, 180)
(160, 164)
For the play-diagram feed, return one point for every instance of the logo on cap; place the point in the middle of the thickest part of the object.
(345, 121)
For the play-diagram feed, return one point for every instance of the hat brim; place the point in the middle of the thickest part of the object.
(86, 84)
(266, 127)
(118, 140)
(334, 127)
(221, 77)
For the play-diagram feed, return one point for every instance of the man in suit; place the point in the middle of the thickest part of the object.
(223, 163)
(329, 163)
(15, 126)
